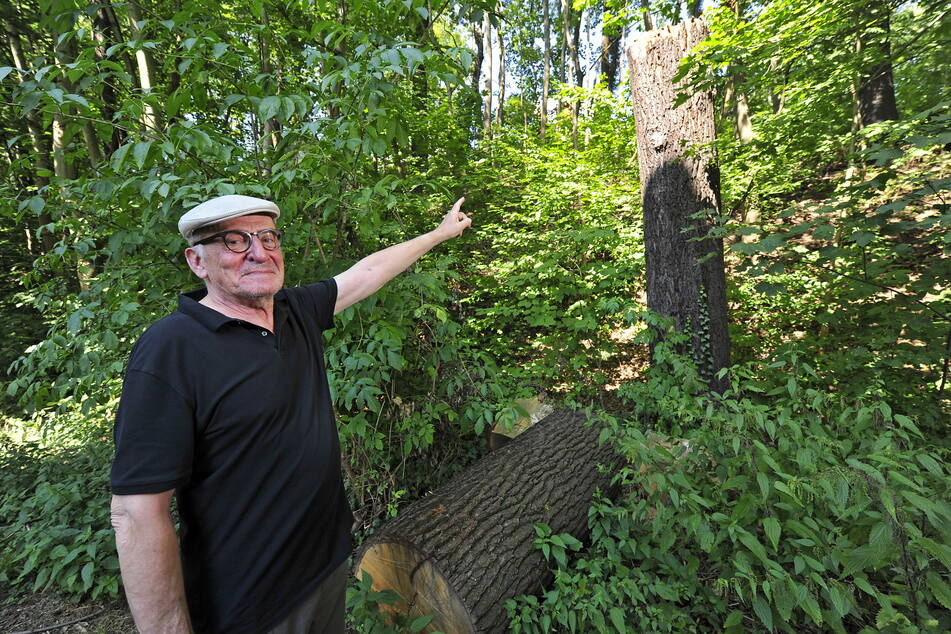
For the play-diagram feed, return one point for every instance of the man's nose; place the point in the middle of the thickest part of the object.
(257, 250)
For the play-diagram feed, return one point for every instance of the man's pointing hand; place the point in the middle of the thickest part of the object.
(455, 222)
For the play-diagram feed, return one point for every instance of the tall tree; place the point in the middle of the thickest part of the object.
(108, 33)
(876, 87)
(681, 197)
(489, 73)
(646, 15)
(38, 135)
(610, 55)
(145, 66)
(546, 64)
(570, 35)
(500, 108)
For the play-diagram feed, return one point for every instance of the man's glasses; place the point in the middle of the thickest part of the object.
(240, 241)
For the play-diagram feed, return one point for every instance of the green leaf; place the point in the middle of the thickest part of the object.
(617, 619)
(772, 529)
(750, 541)
(140, 152)
(269, 107)
(810, 606)
(77, 99)
(119, 155)
(841, 599)
(941, 552)
(420, 622)
(763, 611)
(862, 238)
(784, 599)
(4, 71)
(929, 463)
(86, 575)
(74, 323)
(734, 619)
(939, 588)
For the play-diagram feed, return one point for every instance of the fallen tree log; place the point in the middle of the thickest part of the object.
(460, 552)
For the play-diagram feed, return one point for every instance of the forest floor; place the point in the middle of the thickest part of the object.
(52, 613)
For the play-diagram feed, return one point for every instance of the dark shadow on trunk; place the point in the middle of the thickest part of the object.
(685, 274)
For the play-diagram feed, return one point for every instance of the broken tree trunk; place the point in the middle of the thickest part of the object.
(460, 552)
(681, 194)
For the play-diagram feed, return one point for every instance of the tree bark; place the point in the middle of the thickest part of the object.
(571, 44)
(500, 108)
(38, 138)
(108, 32)
(271, 127)
(546, 66)
(610, 58)
(489, 71)
(646, 15)
(64, 51)
(876, 88)
(681, 197)
(479, 57)
(146, 67)
(460, 552)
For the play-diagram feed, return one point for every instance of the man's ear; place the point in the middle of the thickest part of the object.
(196, 261)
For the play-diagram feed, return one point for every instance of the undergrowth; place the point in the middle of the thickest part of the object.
(778, 505)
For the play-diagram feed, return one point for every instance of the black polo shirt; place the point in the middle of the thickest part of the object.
(238, 420)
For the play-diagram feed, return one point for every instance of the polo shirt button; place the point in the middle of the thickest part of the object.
(264, 333)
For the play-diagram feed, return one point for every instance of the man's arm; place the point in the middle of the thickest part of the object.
(150, 562)
(369, 274)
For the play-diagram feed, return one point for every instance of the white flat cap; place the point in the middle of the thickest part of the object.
(224, 208)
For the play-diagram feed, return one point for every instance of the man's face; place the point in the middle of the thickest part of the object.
(239, 277)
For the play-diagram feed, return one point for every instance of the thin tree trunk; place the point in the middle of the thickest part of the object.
(107, 33)
(41, 147)
(694, 8)
(500, 108)
(546, 65)
(646, 15)
(876, 89)
(610, 58)
(477, 37)
(680, 181)
(489, 72)
(271, 127)
(64, 51)
(571, 44)
(146, 70)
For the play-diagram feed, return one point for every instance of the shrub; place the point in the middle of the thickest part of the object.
(54, 514)
(780, 505)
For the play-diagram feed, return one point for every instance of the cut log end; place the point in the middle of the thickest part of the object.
(422, 587)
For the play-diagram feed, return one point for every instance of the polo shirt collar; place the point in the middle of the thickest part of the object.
(188, 304)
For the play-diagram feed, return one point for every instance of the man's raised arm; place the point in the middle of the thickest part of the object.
(369, 274)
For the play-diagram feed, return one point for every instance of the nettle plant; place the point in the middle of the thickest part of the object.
(778, 505)
(54, 514)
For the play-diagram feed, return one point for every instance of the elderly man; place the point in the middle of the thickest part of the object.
(226, 404)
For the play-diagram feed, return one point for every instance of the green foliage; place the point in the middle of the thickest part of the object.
(357, 118)
(781, 504)
(554, 255)
(864, 271)
(54, 517)
(368, 610)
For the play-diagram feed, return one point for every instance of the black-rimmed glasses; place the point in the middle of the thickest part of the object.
(240, 241)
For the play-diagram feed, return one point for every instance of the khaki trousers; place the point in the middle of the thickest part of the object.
(322, 612)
